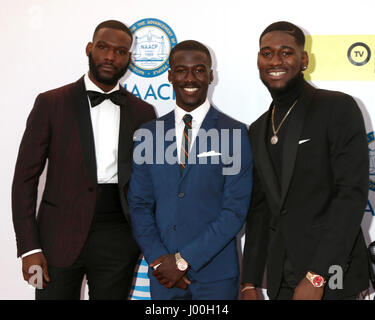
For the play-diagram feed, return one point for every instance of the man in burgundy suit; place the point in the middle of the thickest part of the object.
(85, 131)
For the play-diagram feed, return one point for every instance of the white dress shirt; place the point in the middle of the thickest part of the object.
(198, 115)
(105, 119)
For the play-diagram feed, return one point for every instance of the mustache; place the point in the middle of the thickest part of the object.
(118, 74)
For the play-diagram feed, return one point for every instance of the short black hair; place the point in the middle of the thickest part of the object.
(190, 45)
(113, 24)
(287, 27)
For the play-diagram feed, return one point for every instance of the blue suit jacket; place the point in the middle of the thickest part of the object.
(199, 212)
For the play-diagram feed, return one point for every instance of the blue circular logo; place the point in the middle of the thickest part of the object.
(153, 41)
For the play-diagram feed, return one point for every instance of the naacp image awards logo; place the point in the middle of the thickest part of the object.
(153, 41)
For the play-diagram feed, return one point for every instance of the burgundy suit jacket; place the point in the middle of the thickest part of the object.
(59, 130)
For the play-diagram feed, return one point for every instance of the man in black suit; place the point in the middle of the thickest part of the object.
(85, 131)
(310, 182)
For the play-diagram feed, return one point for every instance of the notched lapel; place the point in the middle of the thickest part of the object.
(169, 127)
(82, 110)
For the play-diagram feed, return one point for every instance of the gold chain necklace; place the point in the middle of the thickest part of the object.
(274, 138)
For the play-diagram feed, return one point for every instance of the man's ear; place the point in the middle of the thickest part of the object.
(305, 60)
(89, 48)
(211, 75)
(169, 76)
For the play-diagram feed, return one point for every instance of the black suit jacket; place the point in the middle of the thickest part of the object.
(315, 218)
(59, 130)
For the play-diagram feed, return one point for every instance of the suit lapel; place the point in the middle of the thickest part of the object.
(208, 123)
(170, 145)
(293, 133)
(267, 171)
(127, 128)
(125, 140)
(82, 110)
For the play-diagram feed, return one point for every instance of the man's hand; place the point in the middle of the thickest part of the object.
(167, 273)
(36, 259)
(182, 283)
(249, 292)
(306, 291)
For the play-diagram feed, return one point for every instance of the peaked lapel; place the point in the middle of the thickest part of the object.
(126, 131)
(125, 140)
(293, 133)
(208, 123)
(259, 146)
(82, 111)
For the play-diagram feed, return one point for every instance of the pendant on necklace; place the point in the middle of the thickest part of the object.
(274, 139)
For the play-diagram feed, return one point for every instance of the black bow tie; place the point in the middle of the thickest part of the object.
(117, 97)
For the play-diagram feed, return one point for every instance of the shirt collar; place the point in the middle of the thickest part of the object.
(93, 87)
(198, 113)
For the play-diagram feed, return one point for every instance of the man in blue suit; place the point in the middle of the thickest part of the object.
(190, 187)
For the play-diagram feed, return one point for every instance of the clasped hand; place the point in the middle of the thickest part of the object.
(167, 273)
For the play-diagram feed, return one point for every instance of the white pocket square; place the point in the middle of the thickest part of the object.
(303, 141)
(209, 154)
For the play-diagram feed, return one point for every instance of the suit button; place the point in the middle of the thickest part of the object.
(91, 189)
(174, 227)
(181, 195)
(284, 212)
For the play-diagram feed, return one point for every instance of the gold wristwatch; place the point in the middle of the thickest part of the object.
(181, 263)
(316, 280)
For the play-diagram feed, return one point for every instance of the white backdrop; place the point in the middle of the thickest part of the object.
(43, 47)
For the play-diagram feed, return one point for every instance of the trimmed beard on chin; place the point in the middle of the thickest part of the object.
(109, 81)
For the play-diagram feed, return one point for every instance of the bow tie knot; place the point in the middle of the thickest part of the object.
(96, 98)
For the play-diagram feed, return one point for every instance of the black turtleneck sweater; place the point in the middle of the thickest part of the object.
(282, 100)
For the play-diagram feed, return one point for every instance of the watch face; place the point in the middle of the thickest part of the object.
(317, 281)
(182, 265)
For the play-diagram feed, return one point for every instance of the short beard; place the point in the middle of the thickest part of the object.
(290, 84)
(96, 74)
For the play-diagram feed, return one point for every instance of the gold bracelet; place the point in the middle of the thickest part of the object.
(247, 288)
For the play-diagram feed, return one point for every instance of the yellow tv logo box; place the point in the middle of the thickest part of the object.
(343, 57)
